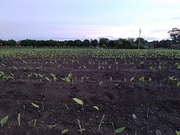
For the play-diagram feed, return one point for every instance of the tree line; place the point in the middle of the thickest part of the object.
(120, 43)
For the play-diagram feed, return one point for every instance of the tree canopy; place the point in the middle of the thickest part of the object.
(175, 35)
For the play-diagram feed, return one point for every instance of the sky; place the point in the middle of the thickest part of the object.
(93, 19)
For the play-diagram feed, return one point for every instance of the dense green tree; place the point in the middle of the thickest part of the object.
(78, 43)
(118, 44)
(103, 42)
(86, 43)
(94, 43)
(111, 44)
(11, 43)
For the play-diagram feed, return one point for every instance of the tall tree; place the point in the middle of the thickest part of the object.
(175, 35)
(94, 43)
(103, 41)
(86, 43)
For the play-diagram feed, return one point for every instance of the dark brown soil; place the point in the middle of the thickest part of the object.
(142, 106)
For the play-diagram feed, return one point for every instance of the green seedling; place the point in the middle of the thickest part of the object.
(110, 79)
(53, 76)
(19, 119)
(78, 101)
(158, 132)
(118, 130)
(30, 75)
(36, 74)
(151, 68)
(178, 84)
(4, 120)
(142, 79)
(178, 67)
(1, 74)
(51, 126)
(99, 127)
(34, 124)
(68, 78)
(66, 107)
(48, 79)
(80, 127)
(172, 78)
(95, 107)
(15, 67)
(3, 65)
(35, 105)
(41, 75)
(42, 105)
(177, 132)
(100, 83)
(132, 79)
(64, 131)
(150, 79)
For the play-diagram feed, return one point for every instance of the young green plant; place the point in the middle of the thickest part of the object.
(79, 101)
(99, 127)
(4, 120)
(118, 130)
(80, 127)
(68, 78)
(64, 131)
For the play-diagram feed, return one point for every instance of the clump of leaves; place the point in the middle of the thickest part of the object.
(68, 78)
(4, 120)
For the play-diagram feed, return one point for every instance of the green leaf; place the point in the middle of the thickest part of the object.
(95, 107)
(1, 74)
(150, 79)
(35, 105)
(53, 76)
(69, 75)
(64, 131)
(177, 132)
(80, 102)
(48, 79)
(178, 84)
(142, 78)
(3, 120)
(132, 79)
(119, 130)
(19, 119)
(51, 126)
(178, 67)
(36, 74)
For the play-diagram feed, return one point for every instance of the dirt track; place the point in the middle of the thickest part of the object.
(143, 106)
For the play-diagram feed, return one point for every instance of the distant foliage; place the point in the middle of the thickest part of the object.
(120, 43)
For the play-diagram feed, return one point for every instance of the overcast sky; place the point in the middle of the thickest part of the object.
(81, 19)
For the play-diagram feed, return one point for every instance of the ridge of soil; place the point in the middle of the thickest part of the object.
(142, 107)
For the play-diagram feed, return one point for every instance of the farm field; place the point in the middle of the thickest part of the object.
(89, 91)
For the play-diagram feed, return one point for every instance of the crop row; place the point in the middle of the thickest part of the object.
(102, 53)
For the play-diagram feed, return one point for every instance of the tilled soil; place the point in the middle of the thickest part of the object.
(140, 95)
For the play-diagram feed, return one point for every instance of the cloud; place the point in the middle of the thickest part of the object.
(176, 18)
